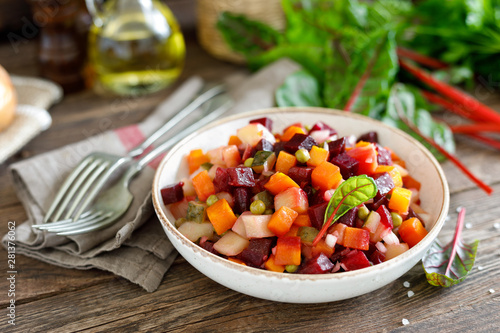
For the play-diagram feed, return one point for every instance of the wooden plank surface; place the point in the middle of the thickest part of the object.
(50, 298)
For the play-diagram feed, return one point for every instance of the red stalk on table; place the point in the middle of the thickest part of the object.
(474, 107)
(443, 151)
(475, 128)
(420, 58)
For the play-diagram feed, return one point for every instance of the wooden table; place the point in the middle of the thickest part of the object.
(50, 298)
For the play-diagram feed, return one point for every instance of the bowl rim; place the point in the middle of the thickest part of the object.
(420, 247)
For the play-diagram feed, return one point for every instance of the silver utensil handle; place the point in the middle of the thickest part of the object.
(212, 115)
(195, 104)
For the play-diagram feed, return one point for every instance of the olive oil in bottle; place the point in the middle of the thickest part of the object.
(135, 46)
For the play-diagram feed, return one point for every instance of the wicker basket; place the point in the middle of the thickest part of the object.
(266, 11)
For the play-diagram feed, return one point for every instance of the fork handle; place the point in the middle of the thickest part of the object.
(195, 104)
(212, 115)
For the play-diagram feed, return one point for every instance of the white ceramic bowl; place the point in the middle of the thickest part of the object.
(304, 288)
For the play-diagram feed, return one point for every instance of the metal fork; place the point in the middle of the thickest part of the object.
(87, 179)
(116, 200)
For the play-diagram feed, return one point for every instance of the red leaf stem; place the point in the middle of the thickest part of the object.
(472, 105)
(443, 151)
(474, 128)
(421, 59)
(486, 140)
(456, 238)
(443, 102)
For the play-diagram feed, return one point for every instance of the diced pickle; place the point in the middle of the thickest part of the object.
(197, 212)
(207, 165)
(307, 234)
(263, 161)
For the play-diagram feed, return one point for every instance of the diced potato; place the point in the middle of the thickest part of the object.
(231, 244)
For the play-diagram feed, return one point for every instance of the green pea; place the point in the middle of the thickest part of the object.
(363, 213)
(258, 207)
(291, 268)
(248, 162)
(212, 199)
(396, 219)
(302, 155)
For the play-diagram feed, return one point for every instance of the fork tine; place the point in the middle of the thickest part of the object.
(77, 226)
(96, 225)
(84, 188)
(87, 216)
(65, 186)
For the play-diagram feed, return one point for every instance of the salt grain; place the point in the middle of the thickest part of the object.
(459, 208)
(491, 291)
(405, 321)
(410, 293)
(480, 268)
(406, 284)
(496, 225)
(468, 225)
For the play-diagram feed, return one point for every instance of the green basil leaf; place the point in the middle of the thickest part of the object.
(299, 89)
(351, 193)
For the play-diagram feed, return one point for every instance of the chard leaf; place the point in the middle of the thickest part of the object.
(450, 265)
(248, 37)
(351, 193)
(299, 89)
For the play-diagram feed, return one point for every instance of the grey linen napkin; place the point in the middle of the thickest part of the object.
(135, 247)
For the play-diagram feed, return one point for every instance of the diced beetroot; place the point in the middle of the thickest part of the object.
(355, 260)
(412, 213)
(241, 176)
(377, 257)
(247, 152)
(172, 193)
(318, 265)
(369, 137)
(317, 215)
(385, 217)
(377, 202)
(264, 145)
(350, 217)
(221, 180)
(208, 245)
(340, 251)
(242, 196)
(279, 146)
(300, 174)
(299, 141)
(337, 147)
(319, 126)
(384, 156)
(384, 184)
(257, 251)
(267, 122)
(348, 165)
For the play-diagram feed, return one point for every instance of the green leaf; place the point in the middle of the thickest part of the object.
(299, 89)
(351, 193)
(248, 37)
(449, 265)
(437, 257)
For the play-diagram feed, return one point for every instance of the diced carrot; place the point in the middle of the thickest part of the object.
(279, 182)
(271, 265)
(400, 200)
(195, 159)
(285, 161)
(356, 238)
(236, 260)
(362, 144)
(318, 155)
(410, 182)
(291, 131)
(282, 220)
(234, 140)
(231, 156)
(322, 247)
(288, 251)
(203, 185)
(302, 220)
(326, 176)
(221, 216)
(412, 231)
(393, 172)
(366, 155)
